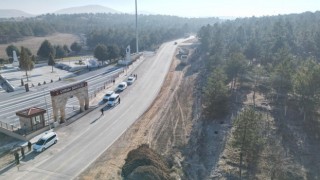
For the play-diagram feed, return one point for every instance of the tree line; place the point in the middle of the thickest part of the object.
(118, 26)
(106, 35)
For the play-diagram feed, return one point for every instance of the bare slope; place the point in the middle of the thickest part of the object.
(86, 9)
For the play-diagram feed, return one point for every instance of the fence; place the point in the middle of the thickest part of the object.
(104, 85)
(7, 126)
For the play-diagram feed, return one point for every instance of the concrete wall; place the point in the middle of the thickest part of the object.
(13, 134)
(24, 138)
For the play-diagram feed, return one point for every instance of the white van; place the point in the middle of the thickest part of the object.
(113, 100)
(45, 141)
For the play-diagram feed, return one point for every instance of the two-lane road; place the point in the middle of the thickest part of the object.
(85, 140)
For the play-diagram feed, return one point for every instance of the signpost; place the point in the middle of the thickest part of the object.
(66, 89)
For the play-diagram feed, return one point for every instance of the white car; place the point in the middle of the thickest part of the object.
(107, 96)
(114, 100)
(131, 79)
(45, 141)
(122, 86)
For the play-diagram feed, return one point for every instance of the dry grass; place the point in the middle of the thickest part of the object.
(33, 43)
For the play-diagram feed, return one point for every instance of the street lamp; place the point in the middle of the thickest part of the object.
(137, 45)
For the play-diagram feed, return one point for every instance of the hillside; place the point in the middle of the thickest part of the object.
(87, 9)
(13, 13)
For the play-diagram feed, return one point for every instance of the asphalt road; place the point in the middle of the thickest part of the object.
(83, 141)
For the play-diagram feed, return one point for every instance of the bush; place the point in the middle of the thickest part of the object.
(144, 163)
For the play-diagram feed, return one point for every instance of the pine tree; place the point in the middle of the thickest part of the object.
(216, 94)
(51, 61)
(26, 64)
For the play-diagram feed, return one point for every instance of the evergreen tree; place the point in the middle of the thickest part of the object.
(113, 52)
(10, 49)
(26, 64)
(46, 49)
(247, 136)
(60, 51)
(216, 94)
(76, 47)
(101, 52)
(51, 61)
(66, 49)
(236, 66)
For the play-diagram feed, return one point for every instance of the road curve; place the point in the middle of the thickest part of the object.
(85, 140)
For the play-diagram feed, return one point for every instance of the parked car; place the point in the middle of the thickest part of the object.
(122, 86)
(130, 80)
(114, 100)
(45, 141)
(107, 95)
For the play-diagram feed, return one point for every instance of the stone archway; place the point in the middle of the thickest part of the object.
(59, 98)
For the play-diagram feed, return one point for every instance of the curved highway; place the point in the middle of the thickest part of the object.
(83, 141)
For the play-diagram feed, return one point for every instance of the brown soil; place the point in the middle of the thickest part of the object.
(165, 126)
(33, 43)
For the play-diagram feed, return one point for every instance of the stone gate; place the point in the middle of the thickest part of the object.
(59, 98)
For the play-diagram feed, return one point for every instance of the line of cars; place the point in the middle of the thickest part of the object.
(112, 97)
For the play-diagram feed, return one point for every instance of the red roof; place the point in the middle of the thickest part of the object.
(31, 112)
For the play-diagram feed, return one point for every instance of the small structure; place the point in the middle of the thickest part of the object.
(31, 119)
(59, 98)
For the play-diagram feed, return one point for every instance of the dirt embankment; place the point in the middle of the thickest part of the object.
(166, 126)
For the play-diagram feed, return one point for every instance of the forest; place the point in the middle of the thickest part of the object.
(265, 72)
(108, 29)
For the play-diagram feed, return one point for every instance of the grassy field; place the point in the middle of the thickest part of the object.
(33, 43)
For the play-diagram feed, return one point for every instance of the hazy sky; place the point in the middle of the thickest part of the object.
(188, 8)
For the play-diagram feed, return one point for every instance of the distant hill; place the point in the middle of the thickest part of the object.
(9, 13)
(87, 9)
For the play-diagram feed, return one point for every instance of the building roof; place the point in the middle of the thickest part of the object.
(31, 112)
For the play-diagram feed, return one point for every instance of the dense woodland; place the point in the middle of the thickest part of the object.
(108, 29)
(278, 57)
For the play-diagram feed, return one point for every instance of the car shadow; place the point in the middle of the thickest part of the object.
(106, 107)
(102, 102)
(30, 156)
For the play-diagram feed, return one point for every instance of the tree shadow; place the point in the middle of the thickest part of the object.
(299, 138)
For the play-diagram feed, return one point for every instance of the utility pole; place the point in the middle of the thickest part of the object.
(45, 100)
(137, 44)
